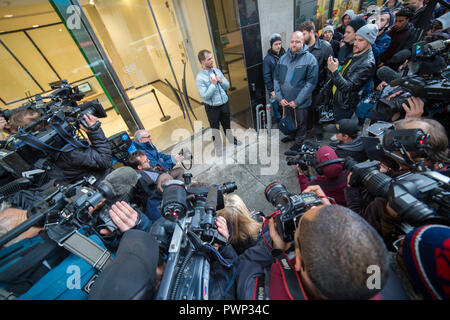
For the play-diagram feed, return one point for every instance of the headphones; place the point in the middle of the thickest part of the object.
(319, 167)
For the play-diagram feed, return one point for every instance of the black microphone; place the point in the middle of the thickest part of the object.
(291, 153)
(387, 75)
(401, 56)
(118, 183)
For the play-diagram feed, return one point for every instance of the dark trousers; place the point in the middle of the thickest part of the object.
(340, 113)
(302, 119)
(219, 115)
(314, 117)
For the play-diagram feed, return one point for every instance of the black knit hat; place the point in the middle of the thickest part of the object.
(357, 22)
(274, 37)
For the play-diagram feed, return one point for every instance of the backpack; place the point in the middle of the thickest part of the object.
(40, 269)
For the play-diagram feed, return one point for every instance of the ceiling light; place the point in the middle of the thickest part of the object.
(8, 16)
(35, 25)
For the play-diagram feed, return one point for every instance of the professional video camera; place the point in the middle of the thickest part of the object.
(305, 155)
(419, 197)
(35, 145)
(67, 209)
(187, 233)
(429, 78)
(291, 206)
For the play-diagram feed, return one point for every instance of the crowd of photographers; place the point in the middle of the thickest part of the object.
(371, 220)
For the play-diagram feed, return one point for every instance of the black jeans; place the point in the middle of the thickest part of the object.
(218, 115)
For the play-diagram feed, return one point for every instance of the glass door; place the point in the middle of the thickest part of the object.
(38, 48)
(153, 45)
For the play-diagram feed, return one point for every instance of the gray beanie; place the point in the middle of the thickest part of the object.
(328, 28)
(273, 38)
(368, 32)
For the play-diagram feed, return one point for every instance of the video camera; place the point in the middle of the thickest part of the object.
(187, 233)
(291, 206)
(35, 144)
(306, 155)
(67, 209)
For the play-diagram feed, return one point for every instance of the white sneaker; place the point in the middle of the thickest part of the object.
(333, 138)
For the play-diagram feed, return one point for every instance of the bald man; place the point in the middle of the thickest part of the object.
(295, 78)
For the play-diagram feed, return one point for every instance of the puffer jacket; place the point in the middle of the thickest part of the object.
(296, 77)
(96, 160)
(350, 84)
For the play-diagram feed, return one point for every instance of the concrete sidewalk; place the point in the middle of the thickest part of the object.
(248, 165)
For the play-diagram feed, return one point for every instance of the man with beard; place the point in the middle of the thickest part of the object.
(321, 50)
(350, 77)
(295, 79)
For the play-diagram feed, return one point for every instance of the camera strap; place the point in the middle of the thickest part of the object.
(66, 136)
(42, 146)
(81, 246)
(291, 279)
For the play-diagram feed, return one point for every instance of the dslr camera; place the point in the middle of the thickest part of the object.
(291, 207)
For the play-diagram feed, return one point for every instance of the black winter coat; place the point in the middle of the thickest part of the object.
(353, 80)
(96, 160)
(269, 64)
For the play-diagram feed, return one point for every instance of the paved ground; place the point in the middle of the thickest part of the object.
(250, 166)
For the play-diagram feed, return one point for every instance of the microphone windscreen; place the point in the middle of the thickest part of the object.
(122, 180)
(386, 74)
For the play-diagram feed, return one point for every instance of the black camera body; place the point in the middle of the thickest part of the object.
(306, 155)
(185, 236)
(291, 206)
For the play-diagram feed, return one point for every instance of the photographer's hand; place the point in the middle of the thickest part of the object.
(415, 109)
(3, 123)
(90, 120)
(222, 228)
(382, 85)
(123, 215)
(277, 241)
(179, 158)
(319, 193)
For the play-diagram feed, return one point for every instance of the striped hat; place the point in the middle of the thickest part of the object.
(426, 256)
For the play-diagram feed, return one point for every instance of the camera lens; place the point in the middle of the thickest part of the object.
(93, 107)
(274, 192)
(173, 205)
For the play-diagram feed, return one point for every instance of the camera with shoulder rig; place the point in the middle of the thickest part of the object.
(186, 234)
(291, 207)
(56, 130)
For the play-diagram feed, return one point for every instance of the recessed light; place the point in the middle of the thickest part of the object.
(35, 25)
(8, 16)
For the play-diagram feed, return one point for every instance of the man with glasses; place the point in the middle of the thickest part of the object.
(157, 160)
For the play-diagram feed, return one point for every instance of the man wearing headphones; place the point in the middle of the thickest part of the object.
(332, 177)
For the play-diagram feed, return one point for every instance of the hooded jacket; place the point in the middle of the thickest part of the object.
(350, 13)
(296, 77)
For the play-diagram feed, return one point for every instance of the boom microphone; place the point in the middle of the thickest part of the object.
(118, 183)
(387, 75)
